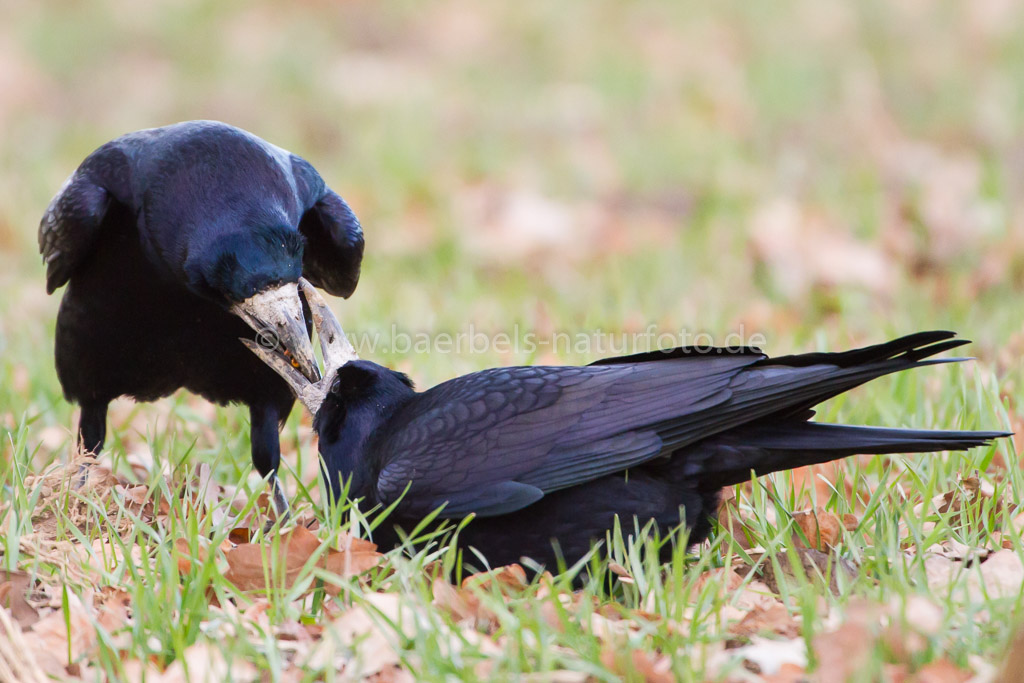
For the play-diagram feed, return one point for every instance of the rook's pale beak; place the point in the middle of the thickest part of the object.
(335, 346)
(276, 315)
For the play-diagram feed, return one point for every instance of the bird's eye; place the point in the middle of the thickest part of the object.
(291, 359)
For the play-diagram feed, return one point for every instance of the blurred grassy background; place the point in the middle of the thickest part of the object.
(820, 172)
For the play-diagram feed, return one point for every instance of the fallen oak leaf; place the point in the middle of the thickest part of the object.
(395, 674)
(787, 673)
(62, 637)
(354, 557)
(296, 631)
(112, 608)
(240, 535)
(815, 565)
(621, 572)
(768, 657)
(820, 527)
(250, 565)
(1013, 664)
(774, 619)
(459, 603)
(182, 553)
(510, 576)
(204, 663)
(847, 650)
(16, 660)
(637, 664)
(14, 586)
(896, 672)
(998, 540)
(356, 645)
(941, 671)
(1001, 574)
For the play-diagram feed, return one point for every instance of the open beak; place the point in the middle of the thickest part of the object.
(276, 316)
(334, 345)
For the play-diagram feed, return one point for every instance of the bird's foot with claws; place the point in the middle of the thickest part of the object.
(282, 511)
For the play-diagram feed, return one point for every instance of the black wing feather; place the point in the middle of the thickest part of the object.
(547, 427)
(75, 216)
(334, 245)
(554, 427)
(334, 238)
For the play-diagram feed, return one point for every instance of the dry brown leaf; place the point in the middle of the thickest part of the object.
(460, 603)
(769, 656)
(907, 638)
(787, 673)
(774, 618)
(847, 650)
(552, 615)
(923, 615)
(14, 586)
(511, 576)
(250, 564)
(112, 607)
(298, 632)
(1013, 665)
(941, 671)
(354, 556)
(968, 494)
(895, 672)
(955, 550)
(201, 663)
(821, 528)
(376, 650)
(754, 595)
(999, 540)
(816, 566)
(16, 660)
(637, 665)
(621, 572)
(183, 554)
(56, 503)
(732, 519)
(608, 629)
(1001, 574)
(240, 535)
(395, 674)
(729, 579)
(58, 641)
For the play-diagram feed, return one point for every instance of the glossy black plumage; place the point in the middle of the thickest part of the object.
(554, 454)
(156, 235)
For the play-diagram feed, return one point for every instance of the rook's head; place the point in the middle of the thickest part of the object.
(255, 275)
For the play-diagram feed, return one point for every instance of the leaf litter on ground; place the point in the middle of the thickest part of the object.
(54, 632)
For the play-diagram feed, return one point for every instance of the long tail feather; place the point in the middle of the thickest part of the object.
(771, 448)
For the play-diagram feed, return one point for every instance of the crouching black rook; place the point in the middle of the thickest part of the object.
(540, 455)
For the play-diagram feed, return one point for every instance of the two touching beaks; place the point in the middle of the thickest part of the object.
(309, 388)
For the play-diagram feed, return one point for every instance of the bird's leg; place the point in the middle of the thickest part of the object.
(266, 453)
(280, 502)
(92, 432)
